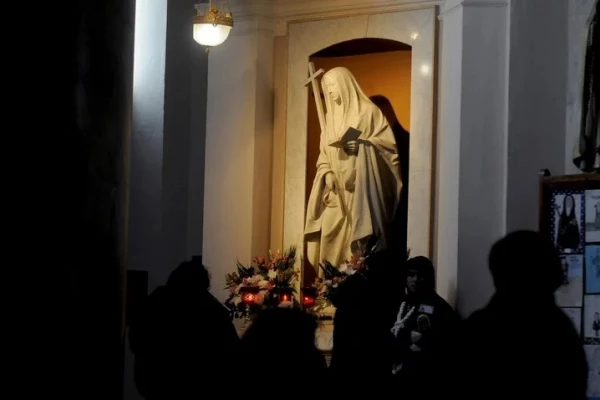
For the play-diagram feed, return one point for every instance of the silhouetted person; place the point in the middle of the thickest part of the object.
(280, 346)
(366, 306)
(501, 351)
(421, 323)
(183, 341)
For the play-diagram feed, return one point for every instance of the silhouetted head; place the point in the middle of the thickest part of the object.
(379, 259)
(385, 265)
(287, 328)
(420, 275)
(525, 264)
(190, 274)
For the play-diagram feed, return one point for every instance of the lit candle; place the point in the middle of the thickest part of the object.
(249, 295)
(285, 295)
(309, 295)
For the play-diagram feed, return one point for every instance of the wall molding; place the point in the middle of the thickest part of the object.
(250, 17)
(245, 9)
(252, 25)
(450, 6)
(294, 11)
(298, 9)
(276, 15)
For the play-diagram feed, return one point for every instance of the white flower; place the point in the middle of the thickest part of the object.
(347, 269)
(262, 283)
(254, 279)
(272, 274)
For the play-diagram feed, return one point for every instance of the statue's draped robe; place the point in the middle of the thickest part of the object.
(368, 184)
(587, 151)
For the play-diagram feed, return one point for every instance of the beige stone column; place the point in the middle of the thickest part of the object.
(239, 137)
(472, 147)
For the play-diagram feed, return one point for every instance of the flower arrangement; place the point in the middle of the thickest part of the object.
(334, 276)
(272, 278)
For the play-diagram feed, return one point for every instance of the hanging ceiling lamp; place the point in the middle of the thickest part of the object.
(213, 24)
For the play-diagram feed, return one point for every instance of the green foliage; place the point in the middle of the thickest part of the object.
(329, 271)
(236, 278)
(285, 261)
(243, 271)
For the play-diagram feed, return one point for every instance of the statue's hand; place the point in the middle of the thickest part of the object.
(330, 182)
(351, 147)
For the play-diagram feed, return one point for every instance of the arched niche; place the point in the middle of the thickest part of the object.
(414, 28)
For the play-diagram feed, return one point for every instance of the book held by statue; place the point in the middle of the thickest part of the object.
(352, 134)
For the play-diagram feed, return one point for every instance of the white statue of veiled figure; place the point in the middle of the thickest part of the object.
(357, 187)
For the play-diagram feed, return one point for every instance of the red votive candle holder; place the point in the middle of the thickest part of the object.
(309, 296)
(285, 295)
(248, 294)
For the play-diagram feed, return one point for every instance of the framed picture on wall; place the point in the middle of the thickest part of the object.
(570, 293)
(592, 353)
(562, 209)
(567, 220)
(592, 216)
(592, 269)
(569, 216)
(591, 319)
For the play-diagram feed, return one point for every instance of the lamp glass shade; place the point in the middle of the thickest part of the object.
(211, 35)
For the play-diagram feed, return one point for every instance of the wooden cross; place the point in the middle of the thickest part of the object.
(312, 79)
